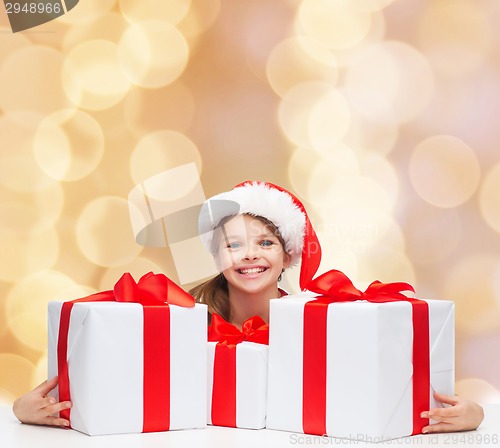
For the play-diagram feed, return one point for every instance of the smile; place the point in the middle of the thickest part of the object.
(251, 270)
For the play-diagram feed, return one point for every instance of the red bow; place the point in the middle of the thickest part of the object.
(252, 330)
(151, 289)
(335, 286)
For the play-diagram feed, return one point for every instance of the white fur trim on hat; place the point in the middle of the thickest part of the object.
(259, 199)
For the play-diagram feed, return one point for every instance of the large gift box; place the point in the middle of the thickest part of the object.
(357, 365)
(237, 373)
(128, 361)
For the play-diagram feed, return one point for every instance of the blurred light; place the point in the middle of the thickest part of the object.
(333, 165)
(355, 214)
(373, 124)
(348, 56)
(299, 59)
(355, 228)
(301, 164)
(367, 5)
(27, 302)
(335, 24)
(18, 169)
(387, 265)
(432, 233)
(467, 108)
(329, 120)
(496, 288)
(357, 190)
(103, 233)
(24, 254)
(137, 268)
(33, 214)
(200, 18)
(478, 390)
(15, 375)
(160, 151)
(382, 172)
(470, 284)
(153, 53)
(38, 211)
(273, 19)
(7, 398)
(87, 12)
(171, 107)
(397, 72)
(92, 78)
(30, 80)
(489, 199)
(337, 253)
(482, 350)
(14, 42)
(21, 173)
(108, 27)
(47, 205)
(68, 146)
(455, 36)
(40, 372)
(172, 11)
(296, 107)
(386, 232)
(444, 171)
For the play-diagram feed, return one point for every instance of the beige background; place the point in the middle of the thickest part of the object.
(382, 116)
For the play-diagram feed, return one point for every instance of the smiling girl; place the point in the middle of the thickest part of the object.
(254, 232)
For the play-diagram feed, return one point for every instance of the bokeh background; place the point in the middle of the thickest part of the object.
(381, 115)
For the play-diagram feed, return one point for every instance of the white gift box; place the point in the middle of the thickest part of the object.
(251, 384)
(369, 366)
(105, 363)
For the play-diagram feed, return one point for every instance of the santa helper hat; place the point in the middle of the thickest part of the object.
(276, 204)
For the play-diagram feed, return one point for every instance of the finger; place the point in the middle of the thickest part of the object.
(437, 427)
(55, 421)
(58, 407)
(448, 399)
(45, 387)
(440, 419)
(47, 401)
(439, 413)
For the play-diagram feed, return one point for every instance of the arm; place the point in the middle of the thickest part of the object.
(35, 407)
(462, 415)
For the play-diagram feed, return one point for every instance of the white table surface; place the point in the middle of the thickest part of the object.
(16, 435)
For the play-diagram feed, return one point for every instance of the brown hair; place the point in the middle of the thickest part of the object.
(215, 292)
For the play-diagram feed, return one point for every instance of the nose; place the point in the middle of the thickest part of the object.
(252, 252)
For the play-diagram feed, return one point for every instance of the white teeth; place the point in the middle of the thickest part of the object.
(252, 270)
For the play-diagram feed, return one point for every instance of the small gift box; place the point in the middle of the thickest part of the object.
(237, 373)
(357, 365)
(128, 361)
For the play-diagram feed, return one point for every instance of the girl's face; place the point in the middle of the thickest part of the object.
(250, 255)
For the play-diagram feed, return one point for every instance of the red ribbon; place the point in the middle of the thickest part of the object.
(152, 291)
(336, 287)
(227, 337)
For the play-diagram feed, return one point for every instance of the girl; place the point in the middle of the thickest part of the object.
(254, 231)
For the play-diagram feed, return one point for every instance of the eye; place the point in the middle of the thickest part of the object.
(267, 243)
(234, 245)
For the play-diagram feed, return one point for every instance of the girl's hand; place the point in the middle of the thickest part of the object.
(462, 415)
(36, 408)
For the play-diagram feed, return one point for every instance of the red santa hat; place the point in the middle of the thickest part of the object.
(277, 205)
